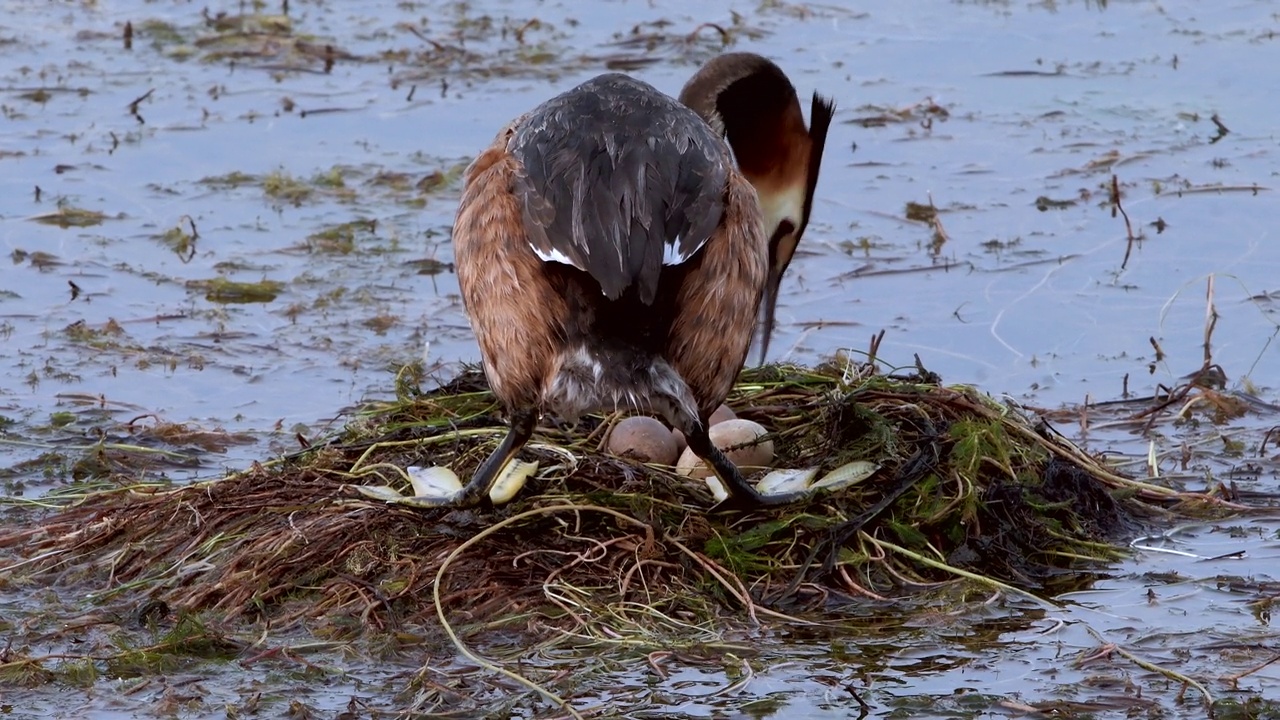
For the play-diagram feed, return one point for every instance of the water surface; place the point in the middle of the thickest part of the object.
(217, 150)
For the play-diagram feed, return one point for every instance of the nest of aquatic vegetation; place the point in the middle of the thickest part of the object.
(968, 491)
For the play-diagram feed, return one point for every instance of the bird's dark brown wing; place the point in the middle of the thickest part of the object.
(618, 180)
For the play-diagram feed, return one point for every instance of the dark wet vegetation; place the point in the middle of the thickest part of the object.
(962, 482)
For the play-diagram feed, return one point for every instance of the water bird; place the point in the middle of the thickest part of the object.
(611, 253)
(759, 113)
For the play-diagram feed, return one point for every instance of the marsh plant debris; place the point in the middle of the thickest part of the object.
(974, 499)
(971, 495)
(969, 491)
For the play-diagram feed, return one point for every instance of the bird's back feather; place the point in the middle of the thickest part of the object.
(617, 180)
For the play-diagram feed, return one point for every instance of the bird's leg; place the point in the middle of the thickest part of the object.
(676, 402)
(742, 494)
(523, 422)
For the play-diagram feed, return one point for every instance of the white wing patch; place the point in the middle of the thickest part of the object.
(672, 254)
(553, 256)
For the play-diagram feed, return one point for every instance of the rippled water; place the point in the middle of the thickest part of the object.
(1012, 118)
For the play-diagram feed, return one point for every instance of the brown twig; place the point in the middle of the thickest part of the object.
(1235, 679)
(133, 106)
(1210, 322)
(1222, 129)
(1128, 227)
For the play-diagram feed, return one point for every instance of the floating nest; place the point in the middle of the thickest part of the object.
(968, 491)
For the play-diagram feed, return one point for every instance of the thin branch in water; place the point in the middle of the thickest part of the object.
(1155, 344)
(1222, 129)
(1235, 679)
(133, 106)
(1128, 226)
(1186, 680)
(1210, 322)
(725, 37)
(940, 236)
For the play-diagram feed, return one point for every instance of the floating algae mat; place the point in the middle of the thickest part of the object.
(968, 490)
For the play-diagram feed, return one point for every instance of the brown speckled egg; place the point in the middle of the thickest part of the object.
(728, 434)
(644, 439)
(722, 413)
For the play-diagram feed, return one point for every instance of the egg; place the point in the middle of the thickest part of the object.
(728, 434)
(645, 439)
(678, 438)
(722, 413)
